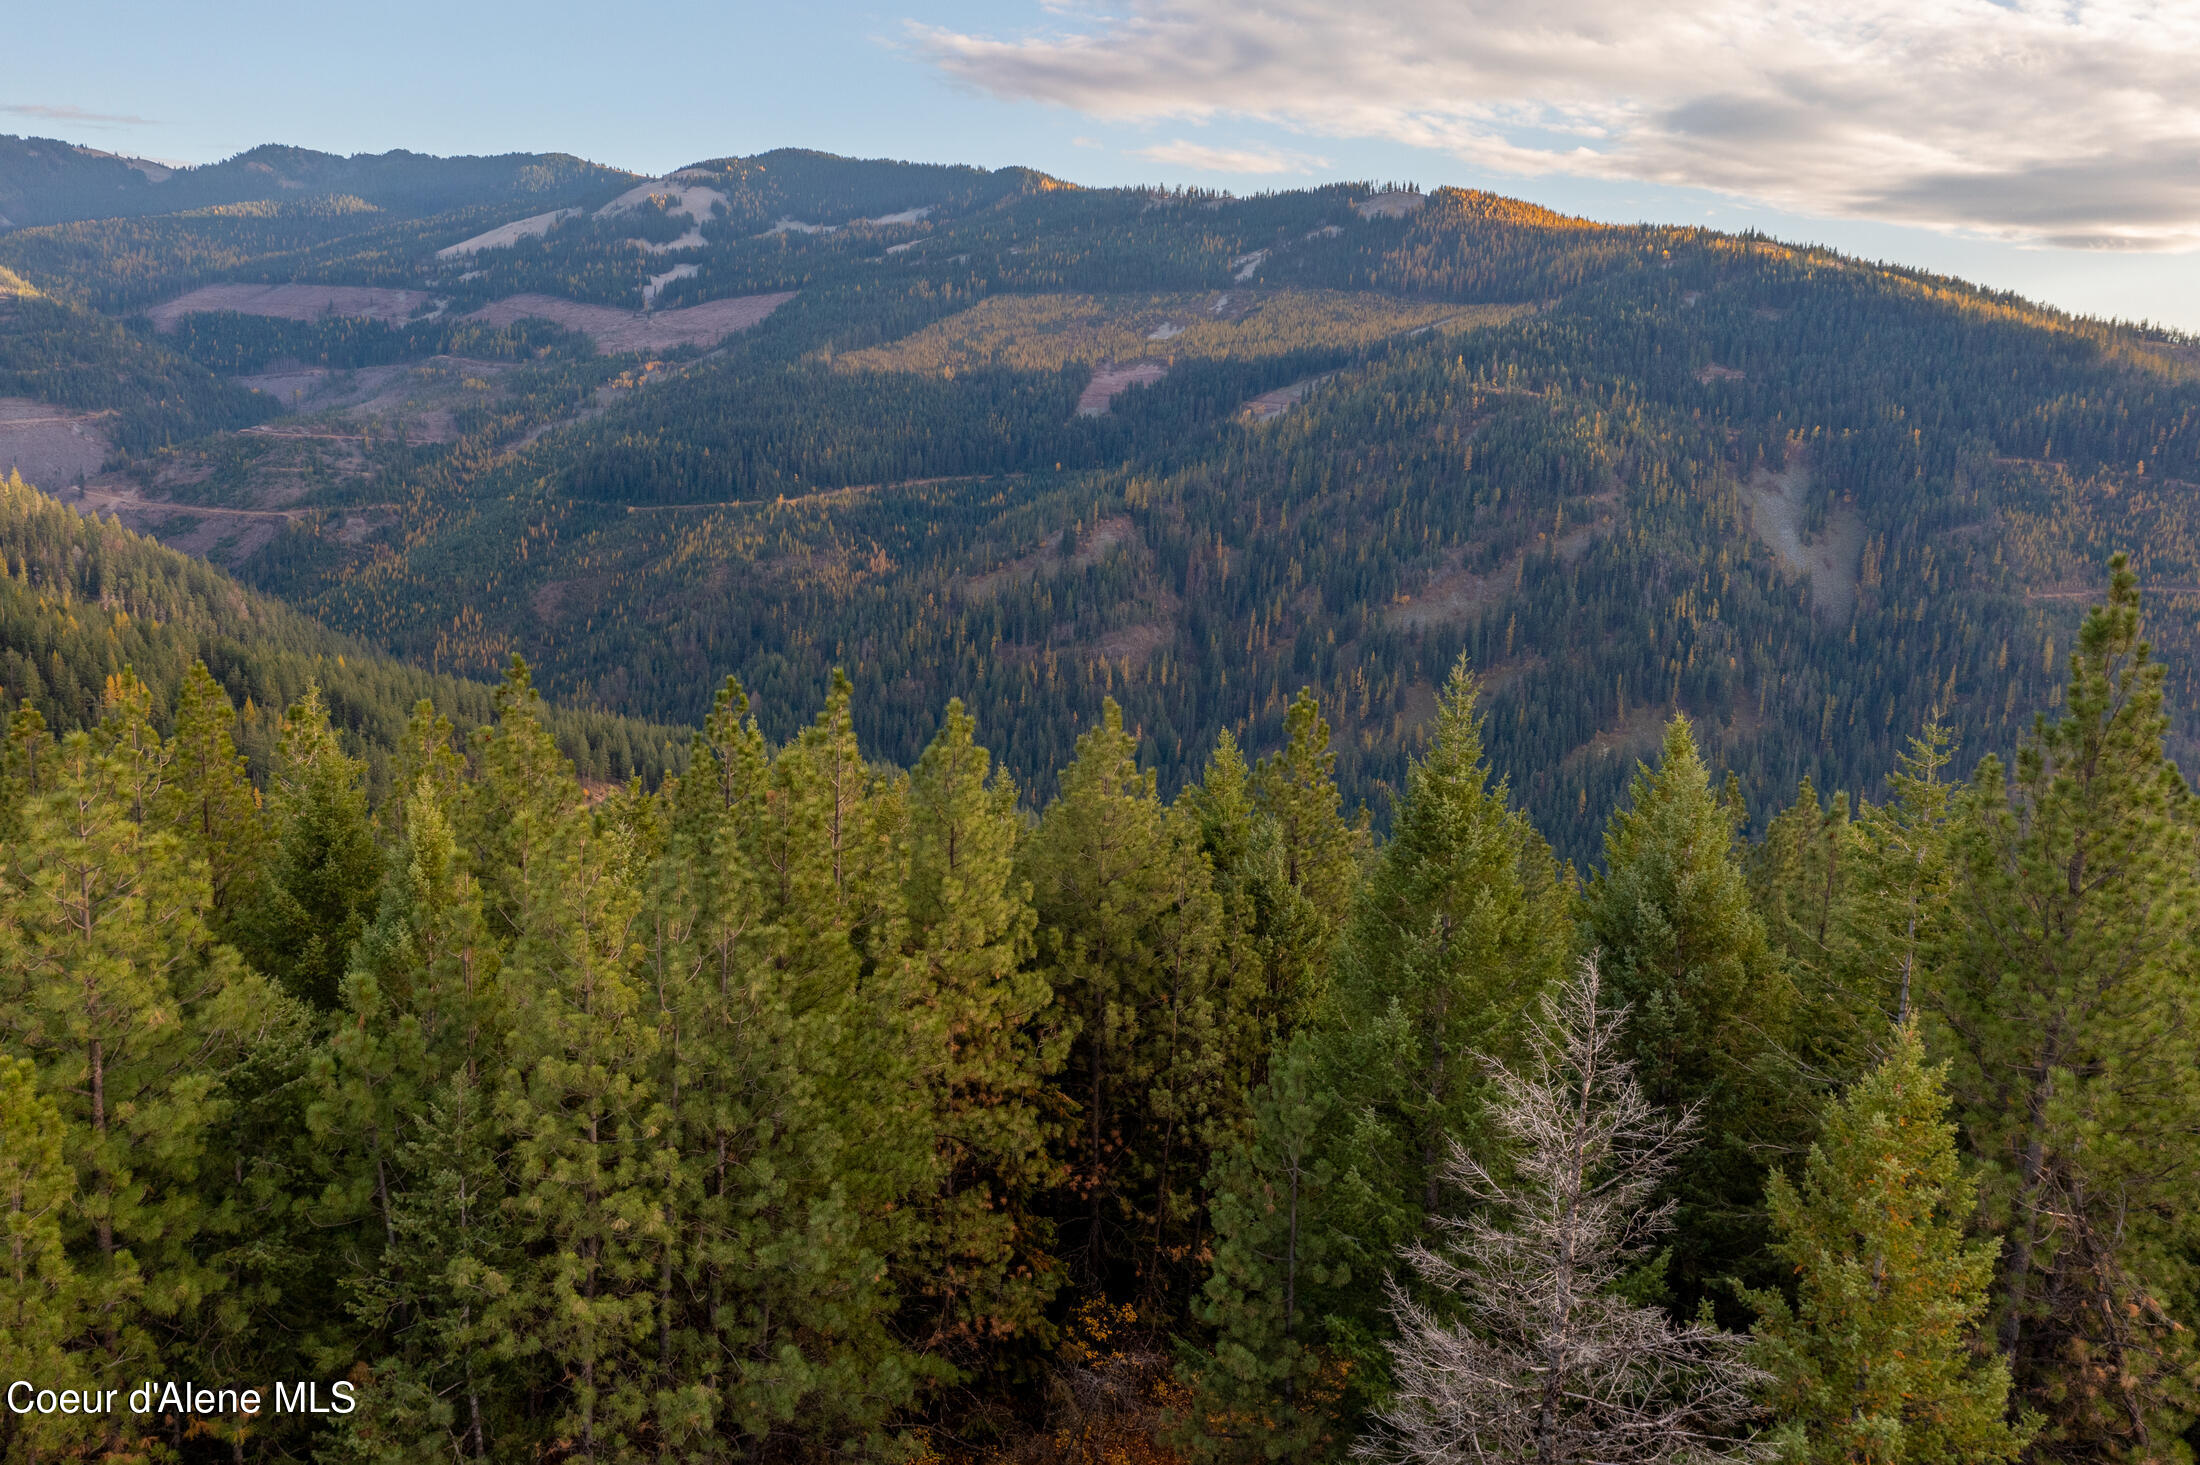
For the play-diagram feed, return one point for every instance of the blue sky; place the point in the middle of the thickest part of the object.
(2064, 164)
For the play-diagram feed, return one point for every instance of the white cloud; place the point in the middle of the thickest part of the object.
(1200, 158)
(64, 113)
(2065, 122)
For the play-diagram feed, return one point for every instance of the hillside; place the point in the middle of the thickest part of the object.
(986, 435)
(46, 181)
(83, 599)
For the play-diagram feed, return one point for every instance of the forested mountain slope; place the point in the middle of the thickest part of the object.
(83, 601)
(987, 435)
(46, 181)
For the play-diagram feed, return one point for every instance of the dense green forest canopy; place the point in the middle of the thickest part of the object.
(808, 1107)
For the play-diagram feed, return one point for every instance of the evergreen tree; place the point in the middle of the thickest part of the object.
(209, 799)
(138, 760)
(437, 1297)
(1296, 786)
(1285, 869)
(1711, 1006)
(2068, 1008)
(523, 791)
(419, 1007)
(984, 1274)
(587, 1137)
(1875, 1362)
(1253, 998)
(791, 1049)
(324, 867)
(1897, 920)
(859, 1147)
(1463, 925)
(24, 760)
(39, 1299)
(113, 987)
(427, 750)
(1795, 875)
(1129, 931)
(1464, 920)
(1272, 1388)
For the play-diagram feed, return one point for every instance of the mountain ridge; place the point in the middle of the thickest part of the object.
(1198, 451)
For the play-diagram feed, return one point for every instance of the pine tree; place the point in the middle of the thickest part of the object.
(2067, 1006)
(1897, 921)
(1129, 927)
(1545, 1360)
(1795, 874)
(25, 759)
(523, 791)
(40, 1304)
(1296, 786)
(1464, 923)
(1875, 1362)
(209, 799)
(1711, 1006)
(587, 1137)
(791, 1041)
(1285, 868)
(983, 1274)
(1253, 998)
(1271, 1389)
(324, 867)
(112, 985)
(138, 760)
(438, 1295)
(428, 749)
(1803, 879)
(419, 1008)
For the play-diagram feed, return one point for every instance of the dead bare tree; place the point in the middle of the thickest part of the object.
(1534, 1357)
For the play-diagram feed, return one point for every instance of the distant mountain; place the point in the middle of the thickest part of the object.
(46, 181)
(984, 434)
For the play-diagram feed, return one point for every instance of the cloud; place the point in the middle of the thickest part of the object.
(74, 114)
(1200, 158)
(2065, 122)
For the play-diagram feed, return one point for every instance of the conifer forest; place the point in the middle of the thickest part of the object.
(823, 810)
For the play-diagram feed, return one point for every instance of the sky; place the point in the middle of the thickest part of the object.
(2048, 148)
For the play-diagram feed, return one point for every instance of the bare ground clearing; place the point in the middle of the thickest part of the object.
(1283, 399)
(1453, 595)
(293, 302)
(1830, 561)
(615, 330)
(823, 497)
(694, 200)
(1109, 382)
(48, 445)
(657, 283)
(504, 234)
(315, 388)
(1391, 205)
